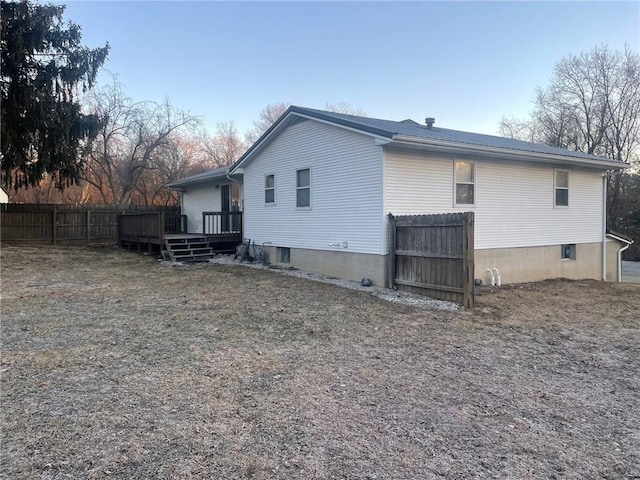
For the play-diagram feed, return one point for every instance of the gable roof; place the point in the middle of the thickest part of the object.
(211, 175)
(410, 134)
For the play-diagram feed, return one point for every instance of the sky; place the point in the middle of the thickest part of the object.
(468, 64)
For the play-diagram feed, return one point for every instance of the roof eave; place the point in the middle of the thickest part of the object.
(185, 182)
(504, 153)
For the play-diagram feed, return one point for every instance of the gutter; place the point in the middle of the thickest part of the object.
(496, 152)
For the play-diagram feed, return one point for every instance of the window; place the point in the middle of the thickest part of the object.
(562, 188)
(270, 189)
(303, 188)
(568, 251)
(284, 255)
(465, 182)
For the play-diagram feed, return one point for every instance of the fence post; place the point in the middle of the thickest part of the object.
(391, 262)
(54, 225)
(468, 259)
(88, 226)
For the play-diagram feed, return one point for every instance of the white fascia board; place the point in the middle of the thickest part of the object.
(504, 153)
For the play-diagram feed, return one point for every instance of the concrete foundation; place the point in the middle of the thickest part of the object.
(516, 265)
(531, 264)
(339, 264)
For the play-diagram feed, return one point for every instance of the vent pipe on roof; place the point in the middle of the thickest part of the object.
(429, 121)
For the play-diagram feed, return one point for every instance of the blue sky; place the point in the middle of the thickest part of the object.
(466, 63)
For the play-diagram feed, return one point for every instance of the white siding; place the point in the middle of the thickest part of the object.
(197, 199)
(346, 191)
(514, 203)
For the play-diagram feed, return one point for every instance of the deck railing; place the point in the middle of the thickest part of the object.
(221, 223)
(175, 223)
(150, 225)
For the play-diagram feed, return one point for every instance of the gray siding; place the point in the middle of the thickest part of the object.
(346, 191)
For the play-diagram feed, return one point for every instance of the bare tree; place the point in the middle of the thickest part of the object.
(225, 146)
(591, 105)
(268, 116)
(344, 107)
(46, 192)
(131, 139)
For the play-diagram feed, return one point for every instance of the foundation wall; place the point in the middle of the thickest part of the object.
(339, 264)
(516, 265)
(531, 264)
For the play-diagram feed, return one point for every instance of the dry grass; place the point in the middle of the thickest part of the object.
(117, 366)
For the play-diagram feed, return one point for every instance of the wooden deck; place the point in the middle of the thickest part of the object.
(166, 235)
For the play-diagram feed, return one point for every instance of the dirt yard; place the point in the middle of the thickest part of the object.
(116, 365)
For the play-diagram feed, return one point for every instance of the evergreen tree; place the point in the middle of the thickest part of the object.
(44, 68)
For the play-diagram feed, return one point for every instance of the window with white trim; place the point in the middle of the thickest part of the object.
(561, 186)
(303, 188)
(465, 182)
(270, 189)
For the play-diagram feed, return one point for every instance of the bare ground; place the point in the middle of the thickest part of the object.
(115, 365)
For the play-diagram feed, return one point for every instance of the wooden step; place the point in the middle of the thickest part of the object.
(194, 249)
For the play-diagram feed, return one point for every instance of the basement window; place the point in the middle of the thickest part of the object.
(568, 251)
(284, 255)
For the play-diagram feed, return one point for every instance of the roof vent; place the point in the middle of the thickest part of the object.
(429, 121)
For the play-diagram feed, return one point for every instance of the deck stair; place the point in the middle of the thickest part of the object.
(187, 248)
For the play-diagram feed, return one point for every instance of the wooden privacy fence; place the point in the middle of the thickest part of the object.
(68, 224)
(433, 255)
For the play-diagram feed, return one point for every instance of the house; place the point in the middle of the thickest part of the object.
(4, 196)
(317, 188)
(212, 191)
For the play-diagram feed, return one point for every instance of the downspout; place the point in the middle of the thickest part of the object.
(604, 226)
(620, 261)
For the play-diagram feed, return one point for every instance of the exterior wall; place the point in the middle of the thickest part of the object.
(531, 264)
(197, 199)
(348, 265)
(4, 198)
(514, 203)
(346, 183)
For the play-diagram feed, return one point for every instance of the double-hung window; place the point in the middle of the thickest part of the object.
(303, 188)
(270, 189)
(465, 180)
(561, 184)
